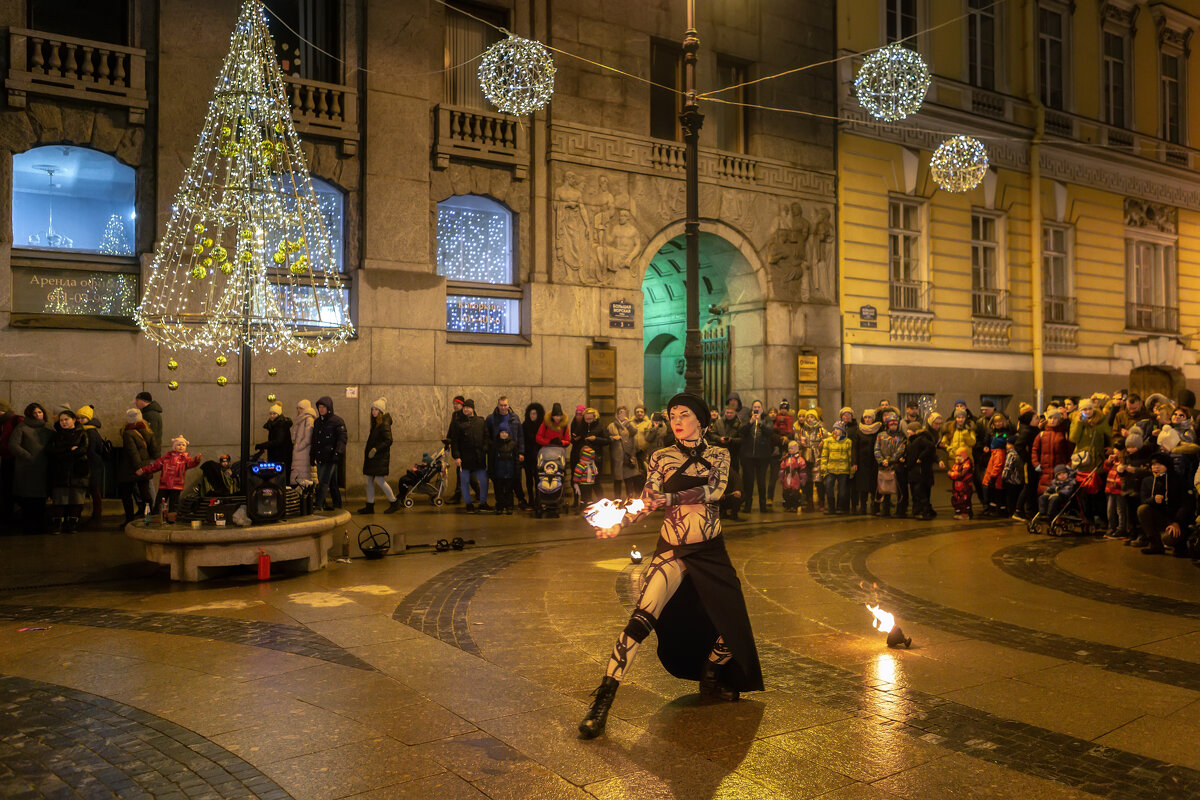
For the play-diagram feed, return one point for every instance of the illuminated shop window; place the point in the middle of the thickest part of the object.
(73, 199)
(475, 255)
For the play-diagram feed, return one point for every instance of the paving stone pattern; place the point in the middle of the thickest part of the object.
(269, 635)
(1104, 771)
(438, 607)
(843, 568)
(1033, 562)
(58, 742)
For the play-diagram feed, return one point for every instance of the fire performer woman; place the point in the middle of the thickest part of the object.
(690, 594)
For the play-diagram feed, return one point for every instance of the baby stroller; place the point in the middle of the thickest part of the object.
(427, 477)
(551, 477)
(1073, 518)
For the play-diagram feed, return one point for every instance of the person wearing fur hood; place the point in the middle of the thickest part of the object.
(27, 445)
(303, 470)
(136, 441)
(377, 458)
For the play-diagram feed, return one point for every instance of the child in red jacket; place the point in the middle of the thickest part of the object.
(174, 466)
(961, 486)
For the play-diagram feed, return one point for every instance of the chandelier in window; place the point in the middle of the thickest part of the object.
(959, 164)
(48, 237)
(892, 82)
(246, 262)
(517, 75)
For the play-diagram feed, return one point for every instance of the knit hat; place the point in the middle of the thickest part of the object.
(846, 410)
(1169, 438)
(1161, 458)
(1022, 407)
(556, 410)
(381, 404)
(935, 416)
(839, 427)
(785, 403)
(179, 439)
(1053, 413)
(458, 398)
(960, 413)
(469, 403)
(694, 404)
(1061, 468)
(275, 408)
(913, 427)
(581, 409)
(85, 412)
(869, 414)
(812, 412)
(133, 416)
(1135, 439)
(793, 446)
(963, 452)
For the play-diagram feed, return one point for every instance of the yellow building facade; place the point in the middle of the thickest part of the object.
(1074, 266)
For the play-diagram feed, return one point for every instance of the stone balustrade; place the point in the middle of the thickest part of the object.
(325, 109)
(1060, 338)
(994, 334)
(910, 327)
(79, 69)
(476, 135)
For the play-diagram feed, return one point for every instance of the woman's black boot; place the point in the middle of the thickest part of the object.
(711, 687)
(593, 724)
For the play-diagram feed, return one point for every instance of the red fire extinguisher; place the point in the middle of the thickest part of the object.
(264, 566)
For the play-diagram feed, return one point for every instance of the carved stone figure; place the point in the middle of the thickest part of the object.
(622, 243)
(1156, 216)
(821, 258)
(571, 224)
(787, 249)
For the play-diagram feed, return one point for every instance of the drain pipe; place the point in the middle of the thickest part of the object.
(1035, 203)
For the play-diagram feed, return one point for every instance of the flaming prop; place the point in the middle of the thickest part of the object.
(605, 513)
(885, 622)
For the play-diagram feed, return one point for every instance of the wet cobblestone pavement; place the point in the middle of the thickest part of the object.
(1040, 668)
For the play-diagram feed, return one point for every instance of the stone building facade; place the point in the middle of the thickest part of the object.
(596, 204)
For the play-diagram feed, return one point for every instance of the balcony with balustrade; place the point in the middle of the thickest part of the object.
(1060, 331)
(1155, 319)
(328, 110)
(78, 69)
(483, 136)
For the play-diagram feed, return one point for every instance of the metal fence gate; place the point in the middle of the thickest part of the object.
(717, 367)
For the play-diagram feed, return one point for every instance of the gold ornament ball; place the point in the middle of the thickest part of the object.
(219, 253)
(222, 361)
(221, 381)
(172, 365)
(246, 256)
(226, 131)
(197, 249)
(272, 372)
(246, 233)
(279, 127)
(208, 242)
(279, 257)
(280, 147)
(199, 272)
(198, 228)
(208, 262)
(227, 268)
(311, 352)
(271, 398)
(173, 385)
(301, 266)
(268, 159)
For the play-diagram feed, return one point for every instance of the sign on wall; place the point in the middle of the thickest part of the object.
(807, 382)
(47, 290)
(620, 314)
(868, 317)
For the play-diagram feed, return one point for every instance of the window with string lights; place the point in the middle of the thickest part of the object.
(331, 201)
(74, 222)
(475, 254)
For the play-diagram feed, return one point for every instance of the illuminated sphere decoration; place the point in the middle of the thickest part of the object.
(172, 365)
(173, 385)
(959, 164)
(272, 372)
(272, 397)
(222, 361)
(892, 82)
(517, 75)
(221, 381)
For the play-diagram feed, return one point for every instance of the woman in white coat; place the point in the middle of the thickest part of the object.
(302, 430)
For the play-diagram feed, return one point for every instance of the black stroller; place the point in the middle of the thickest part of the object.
(428, 478)
(551, 481)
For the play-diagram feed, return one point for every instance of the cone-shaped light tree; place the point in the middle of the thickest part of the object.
(246, 264)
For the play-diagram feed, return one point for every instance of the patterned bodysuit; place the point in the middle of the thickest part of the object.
(694, 481)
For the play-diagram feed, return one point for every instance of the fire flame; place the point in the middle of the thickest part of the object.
(605, 513)
(883, 622)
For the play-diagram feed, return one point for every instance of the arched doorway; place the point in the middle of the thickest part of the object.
(732, 321)
(1146, 381)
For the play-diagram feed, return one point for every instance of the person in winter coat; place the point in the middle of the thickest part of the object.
(1167, 509)
(1060, 489)
(174, 466)
(1118, 521)
(377, 458)
(623, 452)
(136, 438)
(9, 420)
(503, 467)
(961, 486)
(152, 413)
(1027, 431)
(889, 449)
(28, 447)
(1134, 468)
(1051, 447)
(866, 477)
(328, 450)
(784, 420)
(586, 431)
(1130, 413)
(920, 457)
(743, 413)
(86, 419)
(727, 432)
(554, 432)
(838, 467)
(758, 440)
(456, 405)
(959, 432)
(535, 415)
(503, 412)
(811, 435)
(1091, 435)
(278, 445)
(302, 431)
(983, 436)
(641, 423)
(469, 447)
(995, 451)
(793, 473)
(69, 474)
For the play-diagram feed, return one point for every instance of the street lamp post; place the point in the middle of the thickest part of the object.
(691, 121)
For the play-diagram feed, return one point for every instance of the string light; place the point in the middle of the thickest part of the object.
(892, 82)
(959, 164)
(469, 314)
(114, 242)
(214, 283)
(517, 75)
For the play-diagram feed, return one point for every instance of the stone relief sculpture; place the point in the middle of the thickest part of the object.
(597, 233)
(570, 223)
(800, 253)
(1145, 214)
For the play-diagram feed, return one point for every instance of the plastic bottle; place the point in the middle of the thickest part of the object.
(346, 544)
(162, 511)
(146, 515)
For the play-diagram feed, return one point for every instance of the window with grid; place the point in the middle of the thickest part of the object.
(1151, 285)
(1052, 25)
(730, 118)
(987, 266)
(664, 103)
(1172, 99)
(475, 255)
(308, 38)
(981, 44)
(1058, 292)
(1116, 49)
(902, 21)
(909, 290)
(466, 38)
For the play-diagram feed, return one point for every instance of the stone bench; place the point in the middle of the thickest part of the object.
(191, 552)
